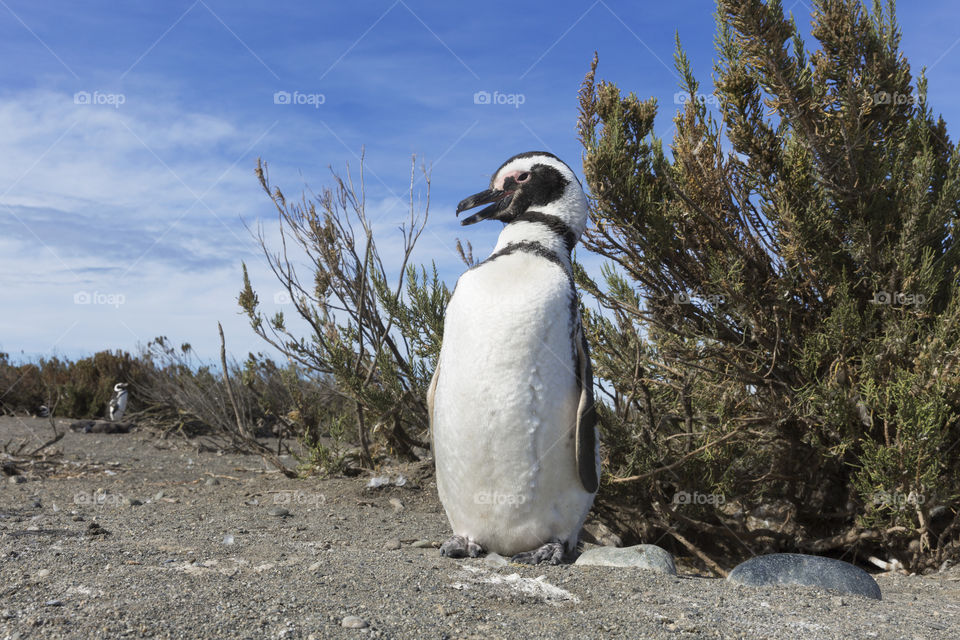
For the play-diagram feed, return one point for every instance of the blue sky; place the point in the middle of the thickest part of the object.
(129, 133)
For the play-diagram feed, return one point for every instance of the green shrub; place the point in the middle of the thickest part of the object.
(375, 341)
(781, 323)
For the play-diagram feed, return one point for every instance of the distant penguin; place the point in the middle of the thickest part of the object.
(511, 401)
(118, 403)
(43, 411)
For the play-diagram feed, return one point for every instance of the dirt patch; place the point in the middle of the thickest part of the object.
(127, 535)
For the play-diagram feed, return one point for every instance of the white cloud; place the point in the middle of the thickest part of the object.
(105, 201)
(145, 202)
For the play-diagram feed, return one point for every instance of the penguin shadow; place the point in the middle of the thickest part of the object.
(100, 426)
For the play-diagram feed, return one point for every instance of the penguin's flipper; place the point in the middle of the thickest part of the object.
(586, 437)
(431, 390)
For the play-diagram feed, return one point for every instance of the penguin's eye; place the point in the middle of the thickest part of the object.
(523, 177)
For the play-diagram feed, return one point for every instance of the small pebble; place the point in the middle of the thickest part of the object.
(316, 566)
(228, 539)
(279, 512)
(43, 573)
(422, 544)
(211, 482)
(133, 502)
(36, 504)
(397, 505)
(392, 544)
(158, 495)
(353, 622)
(53, 603)
(378, 481)
(17, 480)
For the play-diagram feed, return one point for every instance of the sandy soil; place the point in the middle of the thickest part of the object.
(131, 536)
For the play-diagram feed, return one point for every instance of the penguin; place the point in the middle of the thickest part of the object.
(511, 405)
(118, 403)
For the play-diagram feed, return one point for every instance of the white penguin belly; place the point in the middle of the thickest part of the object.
(505, 408)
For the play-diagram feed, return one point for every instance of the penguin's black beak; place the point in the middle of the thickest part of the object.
(500, 199)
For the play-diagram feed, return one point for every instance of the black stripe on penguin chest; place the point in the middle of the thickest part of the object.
(529, 247)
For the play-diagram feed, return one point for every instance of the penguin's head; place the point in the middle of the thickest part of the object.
(120, 386)
(534, 181)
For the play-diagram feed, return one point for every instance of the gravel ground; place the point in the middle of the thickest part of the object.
(132, 536)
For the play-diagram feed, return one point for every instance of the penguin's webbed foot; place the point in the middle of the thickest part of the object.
(460, 547)
(550, 553)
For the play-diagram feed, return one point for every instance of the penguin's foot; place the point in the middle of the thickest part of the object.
(461, 547)
(550, 553)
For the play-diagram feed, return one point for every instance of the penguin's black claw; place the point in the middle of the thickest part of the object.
(461, 547)
(550, 553)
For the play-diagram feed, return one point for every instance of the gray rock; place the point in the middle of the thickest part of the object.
(392, 544)
(211, 482)
(641, 556)
(133, 502)
(807, 571)
(17, 479)
(422, 544)
(353, 622)
(495, 560)
(279, 512)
